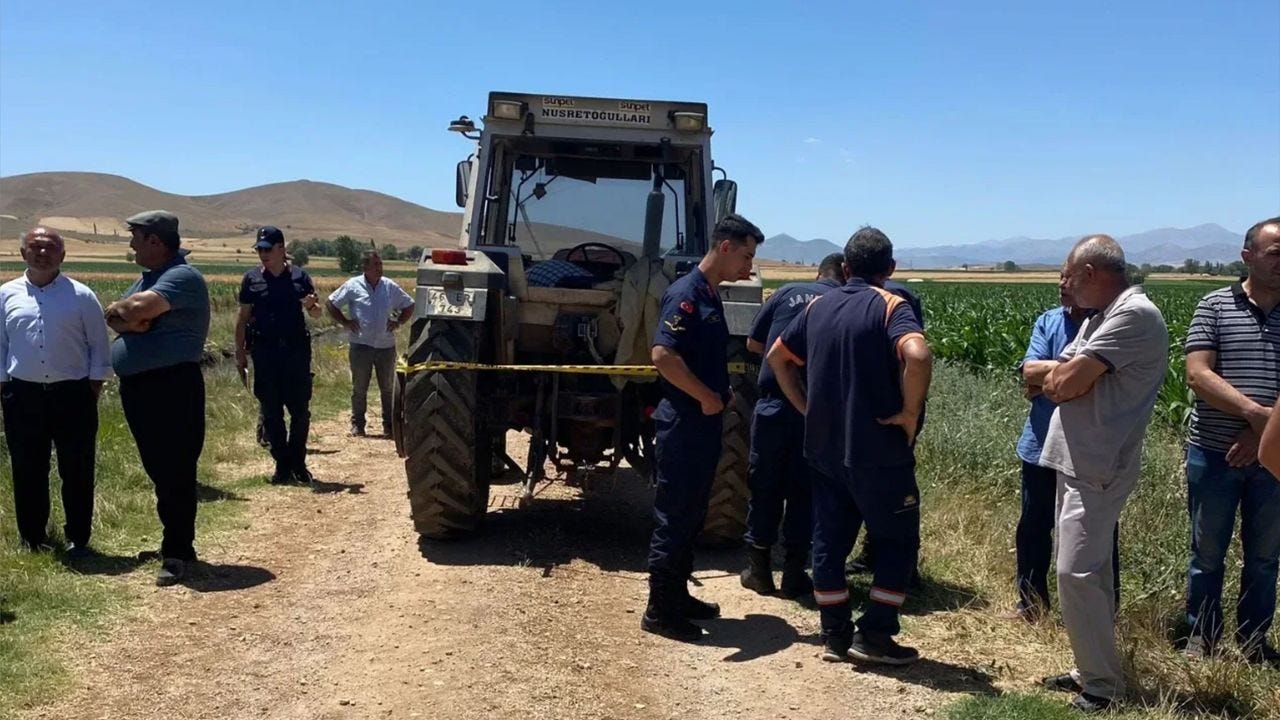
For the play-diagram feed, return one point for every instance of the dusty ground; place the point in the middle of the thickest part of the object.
(324, 606)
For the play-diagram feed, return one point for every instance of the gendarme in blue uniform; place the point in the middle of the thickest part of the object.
(687, 442)
(277, 308)
(777, 472)
(849, 342)
(281, 349)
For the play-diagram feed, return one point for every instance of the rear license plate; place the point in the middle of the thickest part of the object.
(460, 303)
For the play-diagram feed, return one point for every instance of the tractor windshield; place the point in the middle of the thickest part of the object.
(565, 197)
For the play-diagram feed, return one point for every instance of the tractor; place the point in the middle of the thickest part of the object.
(577, 214)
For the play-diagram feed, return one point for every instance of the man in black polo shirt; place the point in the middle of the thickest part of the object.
(1233, 365)
(866, 373)
(272, 298)
(777, 472)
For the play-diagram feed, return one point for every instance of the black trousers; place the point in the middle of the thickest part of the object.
(282, 381)
(165, 412)
(36, 416)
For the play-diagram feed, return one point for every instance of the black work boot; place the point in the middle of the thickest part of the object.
(758, 575)
(695, 609)
(881, 649)
(283, 475)
(795, 581)
(660, 619)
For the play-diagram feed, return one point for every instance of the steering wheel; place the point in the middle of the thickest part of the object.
(583, 247)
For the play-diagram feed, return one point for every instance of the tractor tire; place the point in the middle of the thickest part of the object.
(727, 511)
(446, 446)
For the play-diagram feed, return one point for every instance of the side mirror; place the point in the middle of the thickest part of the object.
(724, 198)
(463, 183)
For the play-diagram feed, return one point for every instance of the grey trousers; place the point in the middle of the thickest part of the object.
(1087, 513)
(365, 360)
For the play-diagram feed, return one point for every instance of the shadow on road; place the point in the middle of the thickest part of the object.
(753, 637)
(937, 675)
(322, 488)
(96, 563)
(209, 493)
(206, 577)
(608, 526)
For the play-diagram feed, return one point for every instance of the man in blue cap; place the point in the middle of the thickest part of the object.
(271, 327)
(162, 321)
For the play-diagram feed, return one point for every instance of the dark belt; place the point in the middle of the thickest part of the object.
(160, 372)
(49, 386)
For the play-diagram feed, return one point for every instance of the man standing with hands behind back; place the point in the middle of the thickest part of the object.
(272, 298)
(371, 299)
(54, 356)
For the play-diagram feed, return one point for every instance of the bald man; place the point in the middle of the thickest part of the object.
(1105, 384)
(54, 356)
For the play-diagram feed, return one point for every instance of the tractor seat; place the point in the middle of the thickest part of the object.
(559, 273)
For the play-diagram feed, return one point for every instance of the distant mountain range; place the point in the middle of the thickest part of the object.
(92, 204)
(89, 204)
(1164, 246)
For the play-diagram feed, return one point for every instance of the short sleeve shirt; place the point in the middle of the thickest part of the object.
(848, 340)
(1050, 335)
(277, 303)
(1247, 343)
(692, 324)
(777, 313)
(174, 337)
(372, 307)
(1098, 436)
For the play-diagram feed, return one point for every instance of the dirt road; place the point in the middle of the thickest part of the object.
(324, 606)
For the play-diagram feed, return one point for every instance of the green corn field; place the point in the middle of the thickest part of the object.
(986, 327)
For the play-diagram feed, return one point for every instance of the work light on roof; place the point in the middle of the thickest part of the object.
(465, 127)
(508, 109)
(688, 121)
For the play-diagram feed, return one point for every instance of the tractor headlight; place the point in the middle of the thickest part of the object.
(508, 109)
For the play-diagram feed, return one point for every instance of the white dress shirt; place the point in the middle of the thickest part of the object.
(52, 333)
(372, 308)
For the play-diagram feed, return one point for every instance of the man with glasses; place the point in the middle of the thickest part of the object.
(272, 298)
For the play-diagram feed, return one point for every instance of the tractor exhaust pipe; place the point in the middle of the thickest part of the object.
(653, 219)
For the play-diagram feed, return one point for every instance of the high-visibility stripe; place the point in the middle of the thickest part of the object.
(888, 597)
(831, 597)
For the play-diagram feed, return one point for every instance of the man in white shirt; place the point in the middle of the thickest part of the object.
(375, 308)
(54, 356)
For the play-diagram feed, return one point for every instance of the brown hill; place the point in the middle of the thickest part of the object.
(80, 203)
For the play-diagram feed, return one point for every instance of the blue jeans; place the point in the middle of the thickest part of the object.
(1214, 491)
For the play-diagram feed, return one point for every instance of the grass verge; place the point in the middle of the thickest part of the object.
(969, 479)
(43, 601)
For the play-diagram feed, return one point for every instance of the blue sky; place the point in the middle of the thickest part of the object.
(939, 122)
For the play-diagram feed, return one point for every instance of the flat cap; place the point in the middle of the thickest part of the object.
(157, 220)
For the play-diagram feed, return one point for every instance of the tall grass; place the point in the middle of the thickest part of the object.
(970, 487)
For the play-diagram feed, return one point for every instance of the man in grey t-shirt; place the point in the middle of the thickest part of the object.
(1105, 384)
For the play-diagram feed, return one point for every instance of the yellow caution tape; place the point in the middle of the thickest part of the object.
(735, 368)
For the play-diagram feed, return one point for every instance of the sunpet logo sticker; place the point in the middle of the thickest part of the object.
(559, 102)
